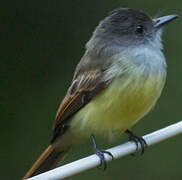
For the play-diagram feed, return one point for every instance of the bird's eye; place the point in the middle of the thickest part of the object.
(139, 29)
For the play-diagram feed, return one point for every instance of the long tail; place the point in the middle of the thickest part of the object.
(49, 159)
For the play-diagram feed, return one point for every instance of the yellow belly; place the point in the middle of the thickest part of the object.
(119, 106)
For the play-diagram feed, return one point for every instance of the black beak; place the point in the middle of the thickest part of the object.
(158, 22)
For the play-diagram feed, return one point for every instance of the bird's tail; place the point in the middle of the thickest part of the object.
(49, 159)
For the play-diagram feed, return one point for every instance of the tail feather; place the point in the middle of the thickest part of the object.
(49, 159)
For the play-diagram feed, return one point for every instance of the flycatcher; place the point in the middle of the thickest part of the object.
(117, 82)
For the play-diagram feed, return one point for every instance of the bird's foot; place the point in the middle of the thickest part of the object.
(100, 153)
(138, 140)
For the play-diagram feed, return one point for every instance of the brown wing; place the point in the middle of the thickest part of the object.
(82, 90)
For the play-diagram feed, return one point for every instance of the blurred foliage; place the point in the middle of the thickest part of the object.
(41, 43)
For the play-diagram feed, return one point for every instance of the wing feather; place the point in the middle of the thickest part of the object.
(81, 91)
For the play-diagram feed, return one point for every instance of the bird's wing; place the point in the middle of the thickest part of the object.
(83, 88)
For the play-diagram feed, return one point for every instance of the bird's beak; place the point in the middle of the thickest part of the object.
(158, 22)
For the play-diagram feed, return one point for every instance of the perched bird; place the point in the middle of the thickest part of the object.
(116, 83)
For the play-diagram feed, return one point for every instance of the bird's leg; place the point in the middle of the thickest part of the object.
(137, 140)
(100, 153)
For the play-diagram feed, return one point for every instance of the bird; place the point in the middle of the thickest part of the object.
(116, 83)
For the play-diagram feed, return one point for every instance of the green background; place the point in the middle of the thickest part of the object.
(41, 43)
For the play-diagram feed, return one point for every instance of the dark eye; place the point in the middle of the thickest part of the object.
(139, 29)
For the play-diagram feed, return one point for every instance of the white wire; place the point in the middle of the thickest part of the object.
(117, 151)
